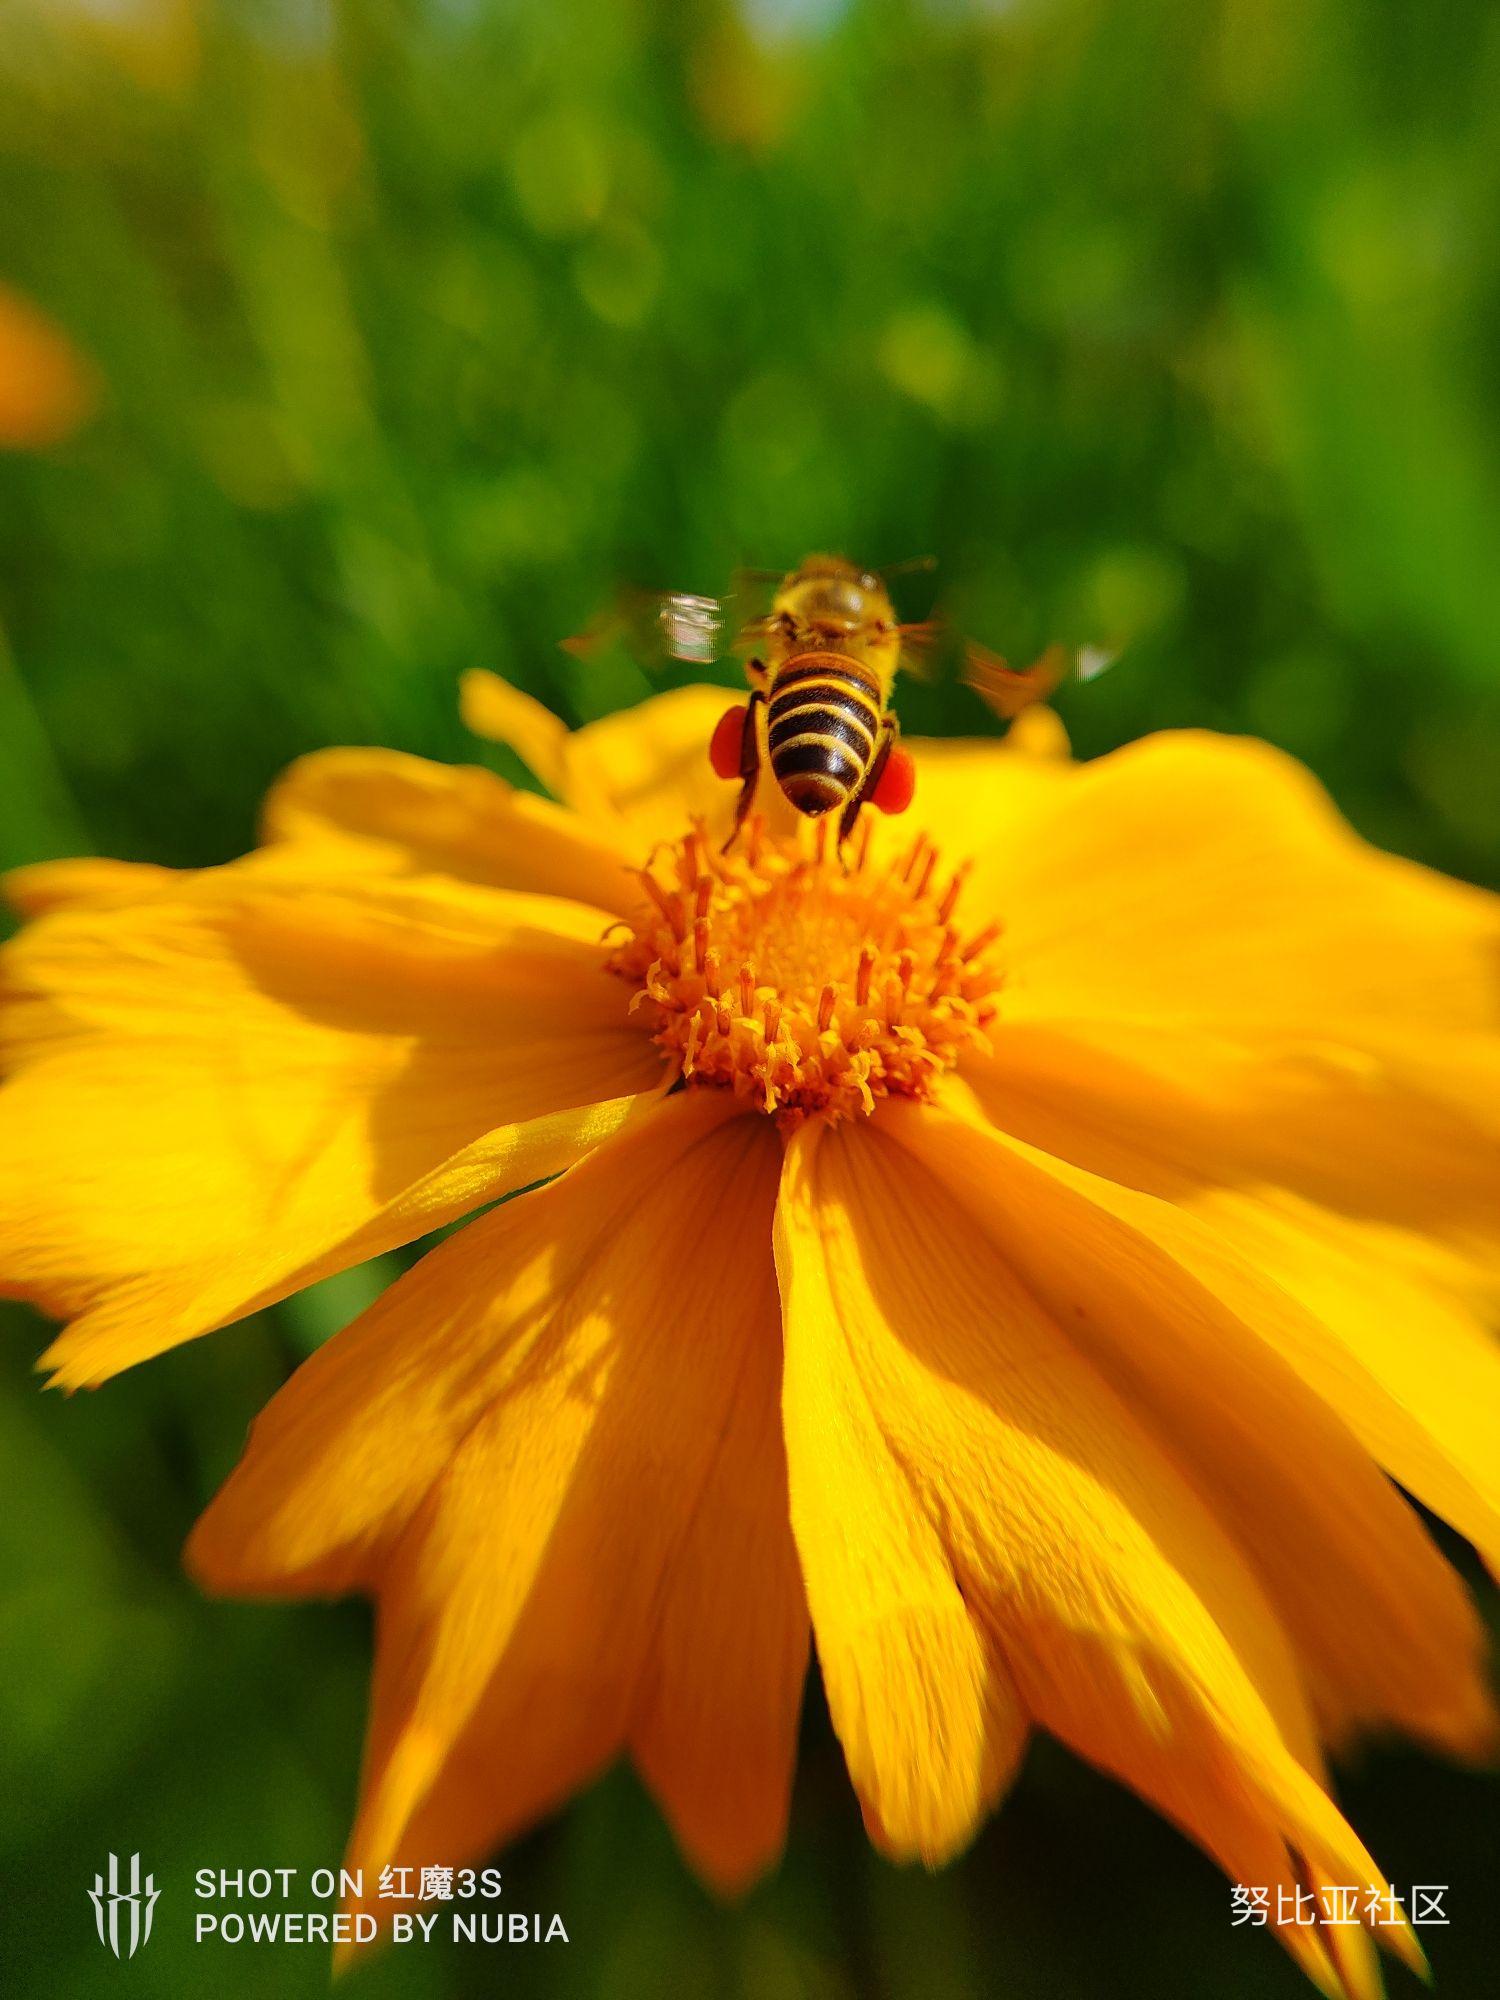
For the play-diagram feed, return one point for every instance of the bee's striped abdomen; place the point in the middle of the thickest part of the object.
(824, 723)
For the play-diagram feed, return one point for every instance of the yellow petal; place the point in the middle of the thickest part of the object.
(650, 765)
(403, 815)
(1372, 1209)
(221, 1094)
(47, 885)
(1390, 1335)
(1039, 732)
(979, 796)
(512, 1448)
(639, 776)
(1199, 879)
(492, 708)
(929, 1718)
(1382, 1628)
(1129, 1623)
(714, 1735)
(1187, 1107)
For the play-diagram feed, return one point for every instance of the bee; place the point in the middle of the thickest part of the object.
(822, 665)
(821, 669)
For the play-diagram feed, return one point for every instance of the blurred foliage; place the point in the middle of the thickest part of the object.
(414, 327)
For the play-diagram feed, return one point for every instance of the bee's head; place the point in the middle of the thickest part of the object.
(830, 598)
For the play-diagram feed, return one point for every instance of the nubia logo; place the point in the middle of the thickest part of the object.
(123, 1910)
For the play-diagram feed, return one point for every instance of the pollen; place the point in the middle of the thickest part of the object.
(809, 984)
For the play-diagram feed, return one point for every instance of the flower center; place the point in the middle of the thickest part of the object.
(805, 984)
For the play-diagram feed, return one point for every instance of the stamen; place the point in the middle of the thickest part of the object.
(656, 892)
(862, 977)
(955, 889)
(849, 984)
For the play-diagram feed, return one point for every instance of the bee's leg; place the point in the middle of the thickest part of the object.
(749, 767)
(889, 730)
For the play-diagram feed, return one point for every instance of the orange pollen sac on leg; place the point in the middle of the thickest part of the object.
(808, 984)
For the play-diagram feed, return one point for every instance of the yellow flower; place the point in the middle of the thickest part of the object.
(1072, 1213)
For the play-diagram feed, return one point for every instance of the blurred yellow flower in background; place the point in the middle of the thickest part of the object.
(1018, 1257)
(46, 387)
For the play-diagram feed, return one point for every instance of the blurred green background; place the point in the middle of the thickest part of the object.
(415, 326)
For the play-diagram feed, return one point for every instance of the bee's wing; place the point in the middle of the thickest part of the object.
(691, 628)
(1008, 690)
(933, 649)
(911, 566)
(749, 614)
(655, 628)
(929, 648)
(1092, 661)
